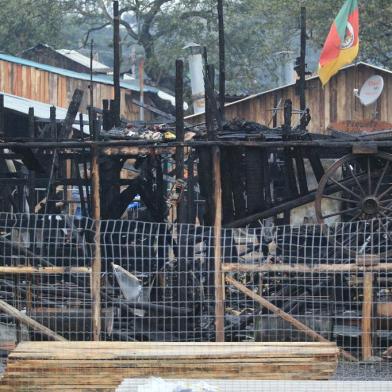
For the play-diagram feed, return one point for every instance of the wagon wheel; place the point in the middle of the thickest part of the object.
(357, 189)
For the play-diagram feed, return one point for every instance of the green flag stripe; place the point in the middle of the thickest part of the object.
(341, 20)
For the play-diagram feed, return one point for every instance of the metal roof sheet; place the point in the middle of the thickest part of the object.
(41, 110)
(83, 60)
(104, 79)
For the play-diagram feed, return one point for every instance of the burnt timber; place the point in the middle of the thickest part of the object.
(224, 174)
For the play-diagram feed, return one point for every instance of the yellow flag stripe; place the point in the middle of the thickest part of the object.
(346, 57)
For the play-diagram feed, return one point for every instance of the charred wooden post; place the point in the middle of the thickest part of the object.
(31, 124)
(180, 133)
(106, 115)
(179, 100)
(227, 186)
(85, 171)
(141, 86)
(183, 270)
(301, 171)
(217, 203)
(66, 133)
(222, 67)
(205, 157)
(267, 180)
(97, 127)
(91, 120)
(210, 160)
(53, 124)
(51, 189)
(288, 113)
(207, 79)
(290, 177)
(300, 68)
(191, 210)
(116, 66)
(66, 129)
(91, 86)
(112, 114)
(213, 106)
(81, 125)
(275, 112)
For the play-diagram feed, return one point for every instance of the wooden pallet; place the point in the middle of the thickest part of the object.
(102, 366)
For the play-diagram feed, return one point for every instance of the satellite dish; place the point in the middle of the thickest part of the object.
(371, 90)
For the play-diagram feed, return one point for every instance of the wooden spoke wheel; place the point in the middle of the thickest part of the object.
(354, 203)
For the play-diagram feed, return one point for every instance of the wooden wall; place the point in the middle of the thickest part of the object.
(335, 102)
(57, 90)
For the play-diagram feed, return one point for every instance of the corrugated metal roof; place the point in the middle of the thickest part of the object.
(83, 60)
(129, 84)
(41, 110)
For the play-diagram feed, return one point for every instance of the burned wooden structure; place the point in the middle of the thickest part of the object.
(264, 174)
(197, 186)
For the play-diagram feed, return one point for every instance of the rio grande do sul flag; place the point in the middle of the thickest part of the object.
(342, 44)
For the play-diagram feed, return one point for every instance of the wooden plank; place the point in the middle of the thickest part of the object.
(152, 345)
(69, 364)
(19, 80)
(92, 366)
(218, 275)
(13, 312)
(341, 92)
(44, 270)
(2, 115)
(285, 316)
(53, 88)
(305, 269)
(45, 90)
(96, 266)
(388, 95)
(367, 307)
(115, 374)
(23, 82)
(3, 76)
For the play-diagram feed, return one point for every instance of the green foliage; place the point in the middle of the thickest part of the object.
(256, 32)
(24, 23)
(375, 26)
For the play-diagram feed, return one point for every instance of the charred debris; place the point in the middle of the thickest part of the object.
(155, 279)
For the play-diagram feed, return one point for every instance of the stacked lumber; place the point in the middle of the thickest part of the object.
(102, 366)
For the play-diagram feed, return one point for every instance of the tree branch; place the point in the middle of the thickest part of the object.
(195, 14)
(129, 29)
(92, 30)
